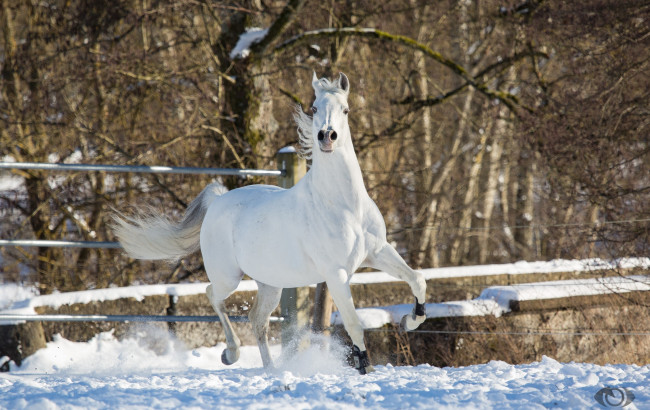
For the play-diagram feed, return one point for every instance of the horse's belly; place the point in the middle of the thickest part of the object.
(278, 264)
(282, 277)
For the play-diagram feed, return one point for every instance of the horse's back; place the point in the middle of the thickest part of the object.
(231, 209)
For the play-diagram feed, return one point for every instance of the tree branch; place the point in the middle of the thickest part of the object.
(430, 101)
(278, 26)
(508, 99)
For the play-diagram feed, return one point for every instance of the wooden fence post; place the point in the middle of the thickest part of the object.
(322, 310)
(294, 303)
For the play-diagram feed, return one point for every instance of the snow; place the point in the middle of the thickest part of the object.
(251, 36)
(11, 293)
(289, 149)
(503, 295)
(9, 181)
(372, 318)
(151, 369)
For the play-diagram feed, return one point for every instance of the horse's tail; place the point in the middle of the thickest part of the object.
(151, 236)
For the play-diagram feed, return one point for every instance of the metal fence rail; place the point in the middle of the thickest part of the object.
(60, 244)
(152, 169)
(15, 318)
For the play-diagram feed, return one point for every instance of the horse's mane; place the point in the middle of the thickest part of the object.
(330, 86)
(304, 123)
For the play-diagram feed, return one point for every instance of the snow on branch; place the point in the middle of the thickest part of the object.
(251, 36)
(279, 25)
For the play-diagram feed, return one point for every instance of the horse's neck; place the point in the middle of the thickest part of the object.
(337, 177)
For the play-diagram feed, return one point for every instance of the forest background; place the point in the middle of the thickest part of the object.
(488, 131)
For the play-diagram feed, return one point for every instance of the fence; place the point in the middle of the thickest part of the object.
(601, 314)
(290, 169)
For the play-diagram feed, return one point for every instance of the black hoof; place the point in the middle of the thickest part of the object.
(419, 309)
(361, 361)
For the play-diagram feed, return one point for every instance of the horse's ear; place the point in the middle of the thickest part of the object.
(315, 82)
(344, 83)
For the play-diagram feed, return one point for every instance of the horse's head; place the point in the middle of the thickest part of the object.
(330, 128)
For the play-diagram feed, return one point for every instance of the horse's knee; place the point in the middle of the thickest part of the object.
(211, 297)
(422, 285)
(258, 323)
(219, 291)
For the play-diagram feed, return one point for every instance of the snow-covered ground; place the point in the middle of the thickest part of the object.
(151, 369)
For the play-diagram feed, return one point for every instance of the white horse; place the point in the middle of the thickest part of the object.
(330, 228)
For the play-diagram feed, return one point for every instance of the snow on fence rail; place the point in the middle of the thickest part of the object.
(516, 268)
(18, 306)
(494, 300)
(28, 305)
(498, 300)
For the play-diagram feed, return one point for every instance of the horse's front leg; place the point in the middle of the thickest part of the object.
(340, 290)
(389, 261)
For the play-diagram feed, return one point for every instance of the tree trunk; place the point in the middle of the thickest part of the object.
(19, 341)
(96, 178)
(23, 103)
(507, 186)
(594, 211)
(461, 243)
(525, 206)
(490, 194)
(502, 130)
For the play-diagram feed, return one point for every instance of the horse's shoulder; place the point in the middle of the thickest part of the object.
(371, 210)
(373, 220)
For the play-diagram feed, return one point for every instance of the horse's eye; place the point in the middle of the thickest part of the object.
(346, 111)
(314, 109)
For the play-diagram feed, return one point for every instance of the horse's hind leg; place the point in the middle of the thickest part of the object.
(231, 354)
(389, 261)
(268, 298)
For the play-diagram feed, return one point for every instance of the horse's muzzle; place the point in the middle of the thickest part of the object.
(326, 140)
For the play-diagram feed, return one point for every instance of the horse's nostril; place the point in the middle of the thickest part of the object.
(321, 135)
(333, 136)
